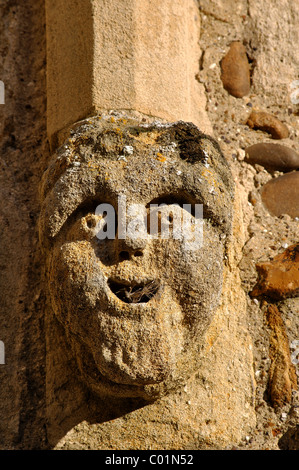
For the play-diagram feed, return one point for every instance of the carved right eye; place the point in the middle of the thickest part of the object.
(166, 214)
(102, 224)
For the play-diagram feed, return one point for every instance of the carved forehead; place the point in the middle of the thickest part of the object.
(105, 153)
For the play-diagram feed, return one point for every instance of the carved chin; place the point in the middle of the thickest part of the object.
(125, 356)
(134, 363)
(135, 351)
(105, 385)
(142, 353)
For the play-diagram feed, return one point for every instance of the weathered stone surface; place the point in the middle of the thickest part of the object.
(275, 68)
(282, 373)
(133, 345)
(172, 352)
(273, 157)
(279, 278)
(227, 11)
(281, 195)
(268, 123)
(211, 403)
(23, 154)
(235, 71)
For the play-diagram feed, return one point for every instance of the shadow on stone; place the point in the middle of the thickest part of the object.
(290, 440)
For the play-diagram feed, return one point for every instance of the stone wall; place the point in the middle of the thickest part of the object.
(240, 396)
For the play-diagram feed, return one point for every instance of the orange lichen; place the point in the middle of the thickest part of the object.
(160, 157)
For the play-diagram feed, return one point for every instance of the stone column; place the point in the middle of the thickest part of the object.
(136, 55)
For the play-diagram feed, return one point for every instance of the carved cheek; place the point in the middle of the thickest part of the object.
(76, 282)
(195, 276)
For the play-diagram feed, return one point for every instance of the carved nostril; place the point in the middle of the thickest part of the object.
(124, 255)
(138, 253)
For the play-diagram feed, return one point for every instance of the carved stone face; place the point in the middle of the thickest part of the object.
(135, 309)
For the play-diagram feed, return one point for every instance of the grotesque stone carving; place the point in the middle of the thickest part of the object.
(135, 309)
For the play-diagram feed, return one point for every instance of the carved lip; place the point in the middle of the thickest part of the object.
(134, 293)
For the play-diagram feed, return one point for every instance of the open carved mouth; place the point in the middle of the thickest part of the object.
(134, 293)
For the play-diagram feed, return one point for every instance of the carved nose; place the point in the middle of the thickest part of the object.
(133, 244)
(133, 237)
(131, 247)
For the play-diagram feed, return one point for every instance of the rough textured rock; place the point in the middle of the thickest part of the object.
(274, 62)
(135, 347)
(23, 151)
(42, 403)
(282, 373)
(273, 157)
(262, 33)
(235, 71)
(281, 195)
(290, 440)
(268, 123)
(279, 278)
(163, 351)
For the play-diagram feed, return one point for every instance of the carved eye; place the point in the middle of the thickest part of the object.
(98, 220)
(91, 221)
(97, 223)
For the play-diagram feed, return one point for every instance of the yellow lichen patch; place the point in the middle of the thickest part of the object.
(209, 176)
(71, 141)
(95, 168)
(148, 138)
(206, 173)
(122, 120)
(81, 138)
(160, 157)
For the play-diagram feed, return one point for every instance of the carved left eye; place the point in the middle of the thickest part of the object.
(168, 209)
